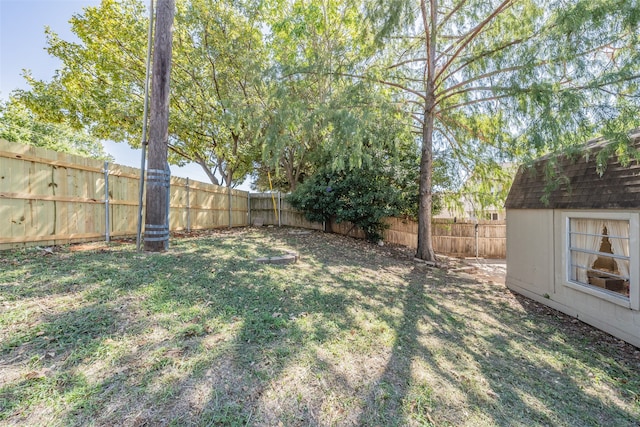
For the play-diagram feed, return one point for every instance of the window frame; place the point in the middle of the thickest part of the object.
(633, 301)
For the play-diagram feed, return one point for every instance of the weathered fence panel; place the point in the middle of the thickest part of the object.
(486, 239)
(263, 208)
(345, 228)
(273, 209)
(49, 198)
(455, 238)
(402, 232)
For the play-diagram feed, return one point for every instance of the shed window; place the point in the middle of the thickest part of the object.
(599, 254)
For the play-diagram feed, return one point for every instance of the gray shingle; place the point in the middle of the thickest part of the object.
(579, 186)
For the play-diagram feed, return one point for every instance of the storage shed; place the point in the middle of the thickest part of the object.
(576, 247)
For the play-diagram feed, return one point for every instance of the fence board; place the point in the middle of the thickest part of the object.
(56, 198)
(455, 238)
(51, 198)
(262, 208)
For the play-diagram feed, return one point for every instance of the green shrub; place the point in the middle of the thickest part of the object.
(363, 197)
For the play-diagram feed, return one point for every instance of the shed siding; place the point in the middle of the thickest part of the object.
(536, 260)
(531, 264)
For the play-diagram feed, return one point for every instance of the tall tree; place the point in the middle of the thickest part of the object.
(314, 110)
(490, 79)
(221, 95)
(19, 124)
(217, 91)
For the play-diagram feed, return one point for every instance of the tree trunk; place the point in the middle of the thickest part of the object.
(289, 168)
(208, 171)
(156, 232)
(425, 246)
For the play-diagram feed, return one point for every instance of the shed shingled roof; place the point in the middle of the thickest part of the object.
(581, 187)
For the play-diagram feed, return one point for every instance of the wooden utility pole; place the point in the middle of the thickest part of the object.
(156, 233)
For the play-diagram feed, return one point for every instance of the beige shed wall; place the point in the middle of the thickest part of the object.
(536, 268)
(530, 259)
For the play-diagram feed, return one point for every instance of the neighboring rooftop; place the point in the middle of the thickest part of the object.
(580, 184)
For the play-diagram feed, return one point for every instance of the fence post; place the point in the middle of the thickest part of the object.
(107, 226)
(476, 238)
(168, 223)
(249, 207)
(230, 218)
(279, 210)
(188, 208)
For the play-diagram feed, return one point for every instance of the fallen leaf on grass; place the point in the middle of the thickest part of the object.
(492, 394)
(34, 375)
(174, 352)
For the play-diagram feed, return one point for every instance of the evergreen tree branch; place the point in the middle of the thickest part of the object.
(408, 61)
(455, 145)
(449, 93)
(473, 34)
(451, 13)
(475, 101)
(376, 80)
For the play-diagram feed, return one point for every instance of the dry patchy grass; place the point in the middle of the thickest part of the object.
(353, 334)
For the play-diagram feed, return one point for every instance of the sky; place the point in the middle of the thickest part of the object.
(22, 46)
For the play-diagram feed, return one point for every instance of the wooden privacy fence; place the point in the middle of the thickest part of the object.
(49, 198)
(273, 209)
(485, 239)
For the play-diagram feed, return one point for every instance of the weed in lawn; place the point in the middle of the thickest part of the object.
(418, 404)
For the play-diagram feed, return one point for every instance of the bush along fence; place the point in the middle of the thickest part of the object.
(49, 198)
(484, 239)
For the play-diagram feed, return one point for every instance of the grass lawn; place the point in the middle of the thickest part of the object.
(353, 334)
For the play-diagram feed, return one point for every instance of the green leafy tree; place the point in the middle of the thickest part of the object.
(384, 184)
(487, 81)
(314, 110)
(216, 90)
(19, 124)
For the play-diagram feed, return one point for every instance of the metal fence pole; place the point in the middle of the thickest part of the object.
(188, 208)
(279, 210)
(167, 177)
(249, 207)
(107, 226)
(145, 115)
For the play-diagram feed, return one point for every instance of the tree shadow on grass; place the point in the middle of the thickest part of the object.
(493, 375)
(176, 371)
(204, 336)
(51, 352)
